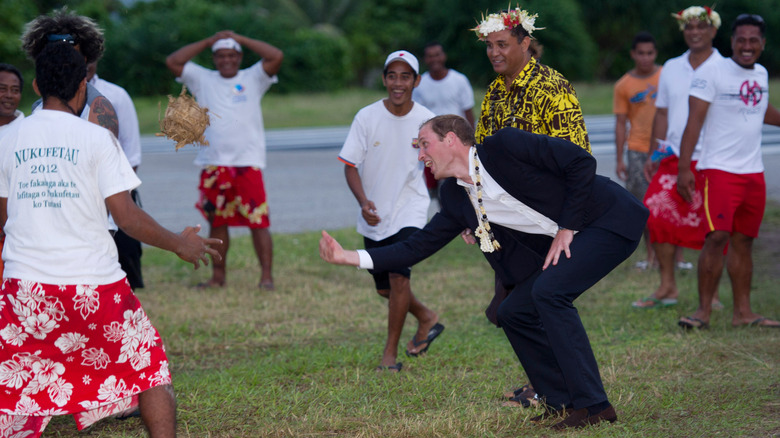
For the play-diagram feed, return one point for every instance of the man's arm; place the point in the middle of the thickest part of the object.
(367, 207)
(139, 225)
(102, 113)
(272, 56)
(697, 112)
(176, 60)
(772, 116)
(620, 145)
(660, 125)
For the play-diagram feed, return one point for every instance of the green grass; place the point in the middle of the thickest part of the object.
(338, 108)
(299, 361)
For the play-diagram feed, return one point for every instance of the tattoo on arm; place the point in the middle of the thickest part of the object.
(102, 113)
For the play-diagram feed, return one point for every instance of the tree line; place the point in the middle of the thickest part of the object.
(332, 44)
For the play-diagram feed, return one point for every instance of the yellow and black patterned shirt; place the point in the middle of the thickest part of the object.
(540, 100)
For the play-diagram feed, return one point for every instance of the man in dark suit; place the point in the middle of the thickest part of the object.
(547, 224)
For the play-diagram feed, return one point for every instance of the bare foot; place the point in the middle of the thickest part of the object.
(266, 285)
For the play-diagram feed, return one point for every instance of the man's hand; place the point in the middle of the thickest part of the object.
(650, 168)
(560, 244)
(468, 236)
(194, 248)
(368, 210)
(621, 170)
(686, 183)
(332, 252)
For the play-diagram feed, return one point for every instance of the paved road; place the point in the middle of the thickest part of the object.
(305, 181)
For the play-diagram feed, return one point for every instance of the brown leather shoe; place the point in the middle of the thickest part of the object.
(580, 418)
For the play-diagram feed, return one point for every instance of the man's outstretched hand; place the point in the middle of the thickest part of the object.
(332, 252)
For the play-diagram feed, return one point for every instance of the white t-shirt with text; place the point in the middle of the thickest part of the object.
(56, 170)
(739, 98)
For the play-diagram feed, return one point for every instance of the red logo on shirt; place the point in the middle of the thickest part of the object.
(750, 93)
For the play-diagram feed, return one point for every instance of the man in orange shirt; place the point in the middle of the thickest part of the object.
(634, 102)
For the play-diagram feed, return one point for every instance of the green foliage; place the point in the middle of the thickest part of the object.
(317, 60)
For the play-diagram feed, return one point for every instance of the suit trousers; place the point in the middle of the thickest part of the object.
(545, 329)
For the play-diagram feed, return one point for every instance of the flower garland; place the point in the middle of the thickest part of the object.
(487, 241)
(705, 14)
(506, 20)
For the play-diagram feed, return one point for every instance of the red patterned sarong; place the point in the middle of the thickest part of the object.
(235, 196)
(73, 349)
(672, 220)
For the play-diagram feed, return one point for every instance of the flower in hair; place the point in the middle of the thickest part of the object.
(506, 20)
(701, 13)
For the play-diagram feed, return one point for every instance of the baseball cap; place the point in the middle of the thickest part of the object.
(403, 55)
(226, 43)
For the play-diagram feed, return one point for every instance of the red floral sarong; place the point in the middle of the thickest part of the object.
(73, 349)
(235, 196)
(672, 220)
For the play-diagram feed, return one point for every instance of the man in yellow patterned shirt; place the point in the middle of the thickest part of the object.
(538, 100)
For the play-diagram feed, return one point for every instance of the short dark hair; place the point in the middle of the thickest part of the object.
(82, 31)
(642, 37)
(59, 70)
(519, 32)
(749, 20)
(459, 126)
(432, 44)
(11, 69)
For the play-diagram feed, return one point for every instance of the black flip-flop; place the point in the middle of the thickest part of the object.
(689, 322)
(433, 333)
(397, 367)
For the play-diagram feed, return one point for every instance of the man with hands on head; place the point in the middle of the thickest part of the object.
(232, 191)
(546, 224)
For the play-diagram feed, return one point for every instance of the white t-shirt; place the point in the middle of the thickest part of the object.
(451, 95)
(236, 135)
(56, 171)
(129, 136)
(673, 86)
(18, 116)
(379, 144)
(739, 98)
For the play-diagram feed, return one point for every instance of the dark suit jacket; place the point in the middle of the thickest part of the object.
(552, 176)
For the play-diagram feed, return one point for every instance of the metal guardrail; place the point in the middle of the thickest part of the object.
(600, 130)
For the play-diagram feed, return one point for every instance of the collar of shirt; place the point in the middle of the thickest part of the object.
(503, 209)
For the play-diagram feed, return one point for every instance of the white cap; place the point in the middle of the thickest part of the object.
(226, 43)
(403, 55)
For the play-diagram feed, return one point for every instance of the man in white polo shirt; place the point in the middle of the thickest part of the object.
(381, 167)
(729, 103)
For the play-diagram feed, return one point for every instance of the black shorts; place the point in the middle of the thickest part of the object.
(382, 278)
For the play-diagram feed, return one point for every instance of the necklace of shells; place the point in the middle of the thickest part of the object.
(487, 241)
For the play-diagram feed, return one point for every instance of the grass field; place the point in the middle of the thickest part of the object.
(299, 361)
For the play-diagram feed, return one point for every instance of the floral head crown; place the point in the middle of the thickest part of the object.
(705, 14)
(506, 20)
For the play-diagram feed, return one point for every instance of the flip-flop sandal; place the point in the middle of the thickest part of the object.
(689, 322)
(757, 323)
(433, 333)
(522, 401)
(397, 367)
(520, 390)
(664, 302)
